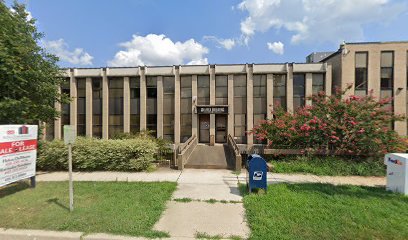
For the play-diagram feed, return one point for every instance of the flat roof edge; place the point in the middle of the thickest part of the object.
(157, 66)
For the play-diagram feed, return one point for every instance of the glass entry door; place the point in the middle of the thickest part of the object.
(204, 124)
(221, 128)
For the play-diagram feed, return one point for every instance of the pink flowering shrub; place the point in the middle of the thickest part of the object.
(338, 124)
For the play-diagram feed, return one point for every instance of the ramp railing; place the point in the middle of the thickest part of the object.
(184, 151)
(235, 152)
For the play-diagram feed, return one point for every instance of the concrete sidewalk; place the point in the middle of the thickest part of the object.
(207, 178)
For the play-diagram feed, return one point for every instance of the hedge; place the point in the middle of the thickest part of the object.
(92, 154)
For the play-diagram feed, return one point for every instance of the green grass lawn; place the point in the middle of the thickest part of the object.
(108, 207)
(322, 211)
(329, 166)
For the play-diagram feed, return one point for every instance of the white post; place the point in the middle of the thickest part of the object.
(69, 139)
(71, 184)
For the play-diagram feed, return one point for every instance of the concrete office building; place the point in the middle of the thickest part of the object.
(214, 101)
(381, 67)
(176, 102)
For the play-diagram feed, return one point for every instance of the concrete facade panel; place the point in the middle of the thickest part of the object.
(88, 72)
(269, 68)
(119, 72)
(152, 71)
(308, 67)
(225, 69)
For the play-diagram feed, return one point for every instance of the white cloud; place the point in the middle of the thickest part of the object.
(317, 20)
(60, 48)
(227, 43)
(29, 15)
(276, 47)
(155, 49)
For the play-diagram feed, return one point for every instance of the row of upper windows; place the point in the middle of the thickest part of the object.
(115, 85)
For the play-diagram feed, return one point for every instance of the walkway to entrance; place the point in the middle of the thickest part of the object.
(210, 157)
(196, 206)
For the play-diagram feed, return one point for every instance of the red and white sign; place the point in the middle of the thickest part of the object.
(18, 152)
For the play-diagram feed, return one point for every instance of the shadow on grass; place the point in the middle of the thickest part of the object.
(346, 190)
(56, 202)
(13, 188)
(243, 189)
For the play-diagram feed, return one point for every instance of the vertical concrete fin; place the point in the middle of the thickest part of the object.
(250, 103)
(126, 105)
(194, 120)
(309, 88)
(88, 106)
(105, 105)
(289, 88)
(177, 127)
(159, 107)
(269, 95)
(143, 98)
(74, 97)
(231, 105)
(212, 102)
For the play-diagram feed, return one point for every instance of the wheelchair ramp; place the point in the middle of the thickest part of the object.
(210, 157)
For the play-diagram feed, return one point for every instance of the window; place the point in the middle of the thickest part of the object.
(115, 106)
(221, 90)
(168, 108)
(387, 77)
(260, 107)
(134, 83)
(185, 108)
(279, 91)
(240, 108)
(151, 104)
(203, 94)
(298, 91)
(81, 111)
(65, 108)
(97, 107)
(361, 76)
(317, 83)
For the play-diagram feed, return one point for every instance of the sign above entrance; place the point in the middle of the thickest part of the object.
(212, 109)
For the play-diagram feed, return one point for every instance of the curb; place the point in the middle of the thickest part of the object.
(17, 234)
(26, 234)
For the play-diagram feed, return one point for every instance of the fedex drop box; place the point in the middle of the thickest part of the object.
(397, 172)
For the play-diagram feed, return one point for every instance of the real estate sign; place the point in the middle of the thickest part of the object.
(18, 152)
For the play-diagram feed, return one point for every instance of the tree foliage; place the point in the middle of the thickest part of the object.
(29, 76)
(340, 124)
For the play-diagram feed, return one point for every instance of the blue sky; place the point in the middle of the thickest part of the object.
(97, 33)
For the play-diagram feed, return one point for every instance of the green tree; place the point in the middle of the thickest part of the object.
(29, 76)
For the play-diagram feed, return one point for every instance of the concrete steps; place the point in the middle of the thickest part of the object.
(210, 157)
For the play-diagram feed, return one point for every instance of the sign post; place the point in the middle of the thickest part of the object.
(69, 139)
(18, 153)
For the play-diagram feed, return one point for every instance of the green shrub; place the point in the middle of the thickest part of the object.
(92, 154)
(164, 147)
(340, 124)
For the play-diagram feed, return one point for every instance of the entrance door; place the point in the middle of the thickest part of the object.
(220, 128)
(204, 135)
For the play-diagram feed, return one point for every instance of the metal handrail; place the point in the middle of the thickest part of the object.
(233, 144)
(184, 146)
(236, 153)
